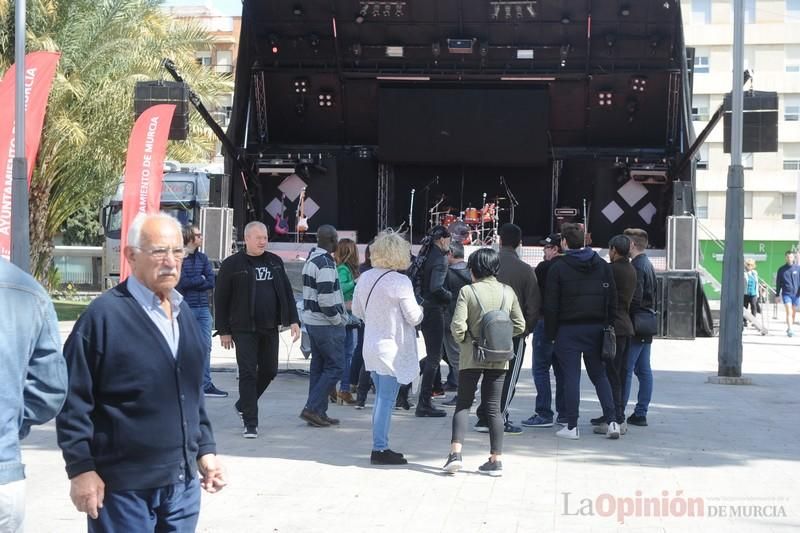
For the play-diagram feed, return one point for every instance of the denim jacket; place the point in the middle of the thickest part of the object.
(33, 372)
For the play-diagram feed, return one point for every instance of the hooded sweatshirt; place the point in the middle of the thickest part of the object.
(579, 290)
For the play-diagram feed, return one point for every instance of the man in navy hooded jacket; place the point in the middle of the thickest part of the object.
(580, 300)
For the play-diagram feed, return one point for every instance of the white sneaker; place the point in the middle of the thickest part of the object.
(613, 431)
(601, 428)
(565, 433)
(623, 428)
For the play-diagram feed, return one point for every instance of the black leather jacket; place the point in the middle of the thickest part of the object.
(434, 275)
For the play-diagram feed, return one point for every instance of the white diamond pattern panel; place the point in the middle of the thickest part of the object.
(612, 211)
(292, 186)
(632, 192)
(647, 212)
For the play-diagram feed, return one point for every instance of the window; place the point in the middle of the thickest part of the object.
(791, 157)
(224, 62)
(749, 11)
(701, 204)
(203, 58)
(791, 107)
(701, 60)
(793, 10)
(700, 107)
(749, 58)
(747, 160)
(701, 11)
(748, 204)
(702, 162)
(789, 206)
(792, 58)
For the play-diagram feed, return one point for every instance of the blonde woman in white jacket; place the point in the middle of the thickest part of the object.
(384, 300)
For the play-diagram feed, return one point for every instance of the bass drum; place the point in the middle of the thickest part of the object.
(460, 232)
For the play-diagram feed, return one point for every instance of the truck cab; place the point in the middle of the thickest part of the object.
(184, 193)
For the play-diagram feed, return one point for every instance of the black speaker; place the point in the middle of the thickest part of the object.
(150, 93)
(759, 122)
(682, 198)
(679, 305)
(219, 190)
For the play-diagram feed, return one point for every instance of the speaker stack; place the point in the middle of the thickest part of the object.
(759, 122)
(150, 93)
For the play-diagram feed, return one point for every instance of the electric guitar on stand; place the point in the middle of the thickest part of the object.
(281, 224)
(302, 219)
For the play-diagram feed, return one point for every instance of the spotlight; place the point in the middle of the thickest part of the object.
(611, 40)
(436, 49)
(605, 98)
(398, 10)
(376, 10)
(625, 11)
(638, 83)
(666, 5)
(274, 43)
(530, 10)
(356, 48)
(518, 11)
(313, 40)
(301, 85)
(495, 11)
(361, 15)
(565, 19)
(564, 53)
(297, 11)
(387, 10)
(507, 12)
(325, 99)
(483, 49)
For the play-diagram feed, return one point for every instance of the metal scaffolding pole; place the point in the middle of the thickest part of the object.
(730, 330)
(20, 238)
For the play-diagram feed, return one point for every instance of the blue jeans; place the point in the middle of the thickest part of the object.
(203, 317)
(327, 362)
(571, 341)
(171, 508)
(386, 388)
(639, 362)
(350, 339)
(542, 361)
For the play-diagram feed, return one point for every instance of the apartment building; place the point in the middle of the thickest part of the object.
(772, 54)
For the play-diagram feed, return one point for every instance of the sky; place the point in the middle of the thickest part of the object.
(226, 7)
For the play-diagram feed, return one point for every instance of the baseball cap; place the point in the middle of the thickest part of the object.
(554, 239)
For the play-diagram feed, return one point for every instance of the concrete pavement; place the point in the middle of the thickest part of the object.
(711, 449)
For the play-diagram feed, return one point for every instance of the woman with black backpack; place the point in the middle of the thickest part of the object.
(486, 318)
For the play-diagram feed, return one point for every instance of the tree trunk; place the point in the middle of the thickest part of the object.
(41, 240)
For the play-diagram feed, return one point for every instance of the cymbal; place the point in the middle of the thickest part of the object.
(498, 198)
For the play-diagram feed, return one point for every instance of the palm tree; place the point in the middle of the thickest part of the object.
(106, 47)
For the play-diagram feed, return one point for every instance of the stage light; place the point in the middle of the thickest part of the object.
(483, 49)
(398, 9)
(313, 40)
(325, 99)
(565, 19)
(376, 10)
(624, 11)
(495, 11)
(356, 48)
(611, 40)
(530, 10)
(361, 15)
(518, 11)
(387, 10)
(564, 53)
(297, 11)
(274, 43)
(507, 12)
(436, 49)
(638, 83)
(301, 85)
(605, 98)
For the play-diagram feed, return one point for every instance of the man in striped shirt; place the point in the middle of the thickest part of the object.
(324, 317)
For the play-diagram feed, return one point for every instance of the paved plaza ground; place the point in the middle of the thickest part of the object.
(730, 453)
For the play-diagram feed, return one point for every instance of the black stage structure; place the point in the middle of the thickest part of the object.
(575, 104)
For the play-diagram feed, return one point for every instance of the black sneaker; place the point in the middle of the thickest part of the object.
(481, 427)
(494, 469)
(250, 432)
(597, 421)
(212, 392)
(431, 412)
(637, 420)
(453, 463)
(511, 429)
(238, 409)
(386, 457)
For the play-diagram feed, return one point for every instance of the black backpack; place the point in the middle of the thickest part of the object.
(414, 271)
(495, 343)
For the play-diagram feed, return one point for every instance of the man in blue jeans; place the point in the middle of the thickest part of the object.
(639, 350)
(324, 317)
(197, 278)
(543, 356)
(787, 290)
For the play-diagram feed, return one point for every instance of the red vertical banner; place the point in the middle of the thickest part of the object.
(40, 69)
(144, 170)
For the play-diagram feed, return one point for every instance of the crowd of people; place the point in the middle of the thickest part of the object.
(129, 391)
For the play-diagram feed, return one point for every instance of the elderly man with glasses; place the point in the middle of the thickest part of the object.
(197, 279)
(134, 431)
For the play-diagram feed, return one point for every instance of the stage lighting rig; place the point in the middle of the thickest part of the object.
(638, 83)
(605, 98)
(301, 85)
(325, 99)
(380, 9)
(512, 9)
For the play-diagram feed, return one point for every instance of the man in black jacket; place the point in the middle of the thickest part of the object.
(580, 300)
(435, 299)
(134, 431)
(643, 302)
(458, 276)
(252, 300)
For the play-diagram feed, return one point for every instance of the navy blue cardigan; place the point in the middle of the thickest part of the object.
(134, 414)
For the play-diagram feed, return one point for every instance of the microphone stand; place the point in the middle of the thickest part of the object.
(511, 197)
(427, 189)
(411, 219)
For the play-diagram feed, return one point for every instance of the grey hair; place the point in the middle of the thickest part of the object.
(135, 231)
(252, 225)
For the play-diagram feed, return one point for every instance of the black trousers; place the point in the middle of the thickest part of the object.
(491, 390)
(433, 333)
(509, 382)
(358, 358)
(617, 372)
(257, 359)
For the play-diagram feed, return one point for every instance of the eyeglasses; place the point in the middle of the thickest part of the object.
(198, 235)
(159, 254)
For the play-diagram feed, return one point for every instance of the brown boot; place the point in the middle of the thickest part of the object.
(346, 398)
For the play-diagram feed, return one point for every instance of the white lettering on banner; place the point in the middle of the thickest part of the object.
(263, 274)
(30, 79)
(144, 187)
(5, 201)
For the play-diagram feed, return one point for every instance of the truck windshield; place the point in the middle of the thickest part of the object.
(184, 213)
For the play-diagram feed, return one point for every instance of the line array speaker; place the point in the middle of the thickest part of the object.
(682, 243)
(759, 122)
(150, 93)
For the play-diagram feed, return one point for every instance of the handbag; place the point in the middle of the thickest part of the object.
(645, 323)
(609, 351)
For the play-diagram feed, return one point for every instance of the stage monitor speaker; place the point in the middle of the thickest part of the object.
(150, 93)
(682, 198)
(219, 192)
(679, 304)
(216, 224)
(759, 122)
(682, 243)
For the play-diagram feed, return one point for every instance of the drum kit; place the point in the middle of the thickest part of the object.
(472, 226)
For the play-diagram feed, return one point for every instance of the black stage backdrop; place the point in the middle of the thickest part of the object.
(478, 126)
